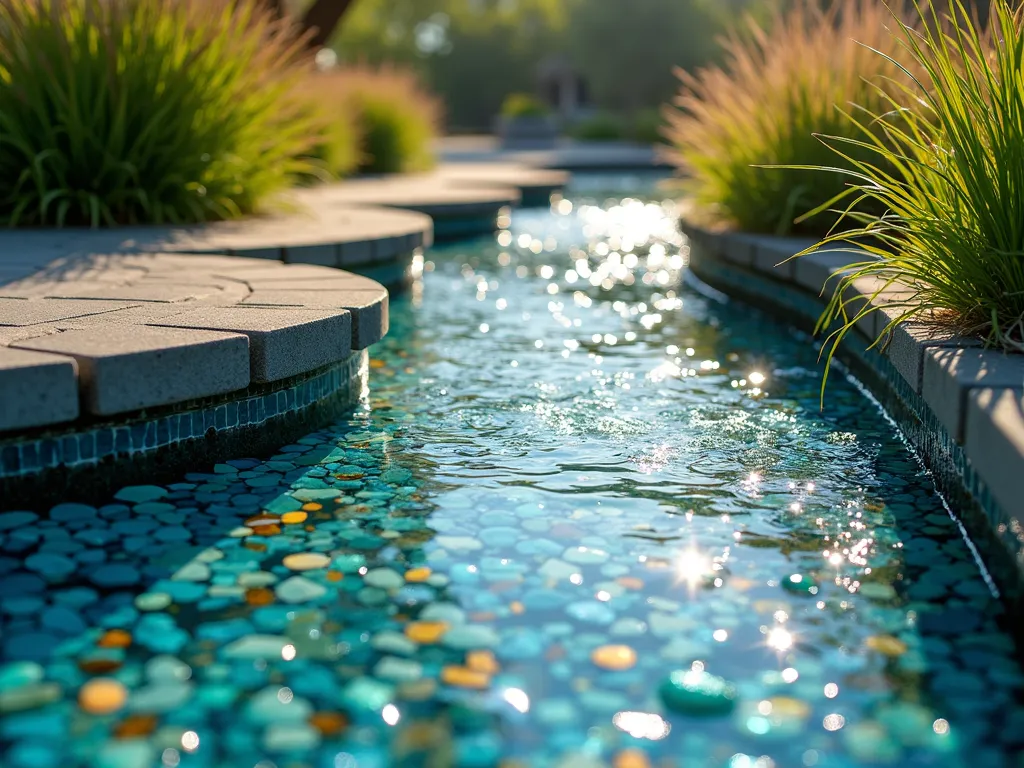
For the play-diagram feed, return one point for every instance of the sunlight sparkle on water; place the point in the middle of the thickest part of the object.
(780, 639)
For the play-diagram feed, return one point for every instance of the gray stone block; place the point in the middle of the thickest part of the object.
(359, 252)
(129, 368)
(950, 374)
(994, 443)
(273, 253)
(737, 247)
(368, 308)
(282, 342)
(773, 255)
(36, 389)
(815, 270)
(339, 281)
(152, 291)
(325, 255)
(908, 342)
(883, 296)
(32, 311)
(12, 333)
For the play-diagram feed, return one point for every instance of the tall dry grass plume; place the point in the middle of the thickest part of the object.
(778, 85)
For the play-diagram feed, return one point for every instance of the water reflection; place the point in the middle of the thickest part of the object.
(584, 517)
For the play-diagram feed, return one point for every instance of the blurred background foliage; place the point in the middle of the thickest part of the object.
(473, 53)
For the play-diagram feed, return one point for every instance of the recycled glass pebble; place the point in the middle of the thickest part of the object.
(800, 584)
(698, 693)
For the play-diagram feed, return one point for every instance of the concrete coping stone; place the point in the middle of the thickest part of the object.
(523, 177)
(109, 334)
(431, 194)
(353, 224)
(976, 394)
(321, 232)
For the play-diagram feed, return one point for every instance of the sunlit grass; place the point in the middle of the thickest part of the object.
(949, 174)
(129, 111)
(395, 118)
(779, 84)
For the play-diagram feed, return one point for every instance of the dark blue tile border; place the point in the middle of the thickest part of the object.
(26, 456)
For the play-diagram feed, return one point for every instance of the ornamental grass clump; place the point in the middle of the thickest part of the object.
(949, 176)
(778, 85)
(146, 111)
(395, 119)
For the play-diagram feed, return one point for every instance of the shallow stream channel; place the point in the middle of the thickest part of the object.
(584, 516)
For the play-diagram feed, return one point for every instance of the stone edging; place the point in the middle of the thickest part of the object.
(87, 461)
(103, 356)
(361, 239)
(961, 405)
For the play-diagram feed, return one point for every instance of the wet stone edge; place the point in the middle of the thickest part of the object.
(989, 526)
(41, 469)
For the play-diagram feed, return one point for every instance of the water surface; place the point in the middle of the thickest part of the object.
(571, 476)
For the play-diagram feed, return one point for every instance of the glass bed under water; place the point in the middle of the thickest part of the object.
(584, 516)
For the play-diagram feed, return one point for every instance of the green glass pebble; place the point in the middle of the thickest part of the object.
(137, 494)
(364, 694)
(160, 697)
(348, 563)
(290, 737)
(398, 670)
(466, 718)
(299, 589)
(698, 693)
(469, 637)
(282, 504)
(268, 706)
(152, 601)
(255, 647)
(127, 753)
(397, 475)
(449, 613)
(394, 643)
(19, 673)
(384, 578)
(371, 596)
(800, 584)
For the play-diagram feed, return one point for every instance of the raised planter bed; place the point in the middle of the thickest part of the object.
(961, 406)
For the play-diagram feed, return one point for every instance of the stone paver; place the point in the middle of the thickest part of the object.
(368, 308)
(568, 154)
(31, 312)
(427, 193)
(36, 389)
(282, 342)
(815, 270)
(737, 248)
(189, 326)
(772, 255)
(950, 375)
(906, 349)
(994, 443)
(129, 368)
(323, 231)
(123, 302)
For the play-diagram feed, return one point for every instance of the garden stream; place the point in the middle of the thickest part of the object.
(584, 516)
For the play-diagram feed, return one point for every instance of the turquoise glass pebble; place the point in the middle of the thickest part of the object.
(698, 693)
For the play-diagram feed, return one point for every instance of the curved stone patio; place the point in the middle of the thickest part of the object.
(128, 341)
(111, 356)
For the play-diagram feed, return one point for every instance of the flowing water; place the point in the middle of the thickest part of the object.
(571, 477)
